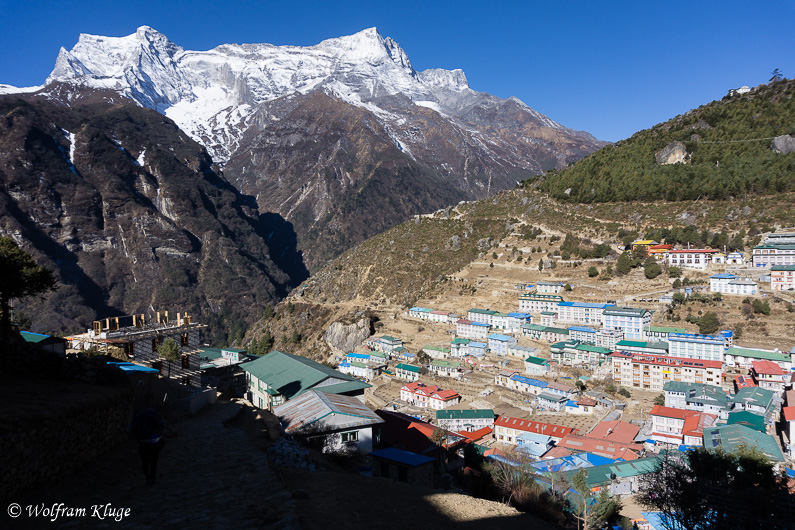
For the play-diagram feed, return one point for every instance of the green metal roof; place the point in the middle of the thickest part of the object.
(436, 348)
(446, 364)
(534, 327)
(731, 437)
(482, 311)
(536, 360)
(782, 268)
(747, 418)
(552, 397)
(595, 349)
(561, 331)
(625, 311)
(760, 397)
(758, 354)
(663, 329)
(601, 475)
(292, 375)
(358, 364)
(408, 368)
(464, 414)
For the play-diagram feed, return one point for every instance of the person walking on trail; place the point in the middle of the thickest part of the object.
(147, 427)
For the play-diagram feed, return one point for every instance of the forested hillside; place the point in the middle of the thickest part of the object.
(728, 144)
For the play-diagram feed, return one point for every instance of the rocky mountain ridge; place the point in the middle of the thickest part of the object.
(128, 211)
(343, 139)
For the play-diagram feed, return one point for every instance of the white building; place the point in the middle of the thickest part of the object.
(694, 346)
(691, 258)
(536, 303)
(777, 254)
(630, 320)
(498, 344)
(471, 330)
(733, 285)
(423, 313)
(581, 312)
(343, 422)
(468, 420)
(782, 277)
(550, 287)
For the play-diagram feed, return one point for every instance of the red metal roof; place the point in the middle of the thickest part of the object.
(767, 368)
(548, 429)
(694, 250)
(670, 412)
(789, 413)
(694, 425)
(587, 444)
(477, 435)
(615, 431)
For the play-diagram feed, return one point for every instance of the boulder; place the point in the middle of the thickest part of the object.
(783, 144)
(343, 338)
(673, 153)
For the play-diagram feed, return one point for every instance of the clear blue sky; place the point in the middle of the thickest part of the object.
(610, 68)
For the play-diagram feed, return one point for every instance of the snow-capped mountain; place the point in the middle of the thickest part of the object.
(213, 94)
(321, 134)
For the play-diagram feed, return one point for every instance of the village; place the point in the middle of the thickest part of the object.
(548, 383)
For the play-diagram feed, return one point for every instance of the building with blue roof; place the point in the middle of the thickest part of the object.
(734, 285)
(695, 346)
(403, 466)
(498, 344)
(581, 312)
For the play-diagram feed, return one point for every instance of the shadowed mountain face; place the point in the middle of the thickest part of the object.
(125, 206)
(343, 139)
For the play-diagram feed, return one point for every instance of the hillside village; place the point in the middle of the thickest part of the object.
(566, 374)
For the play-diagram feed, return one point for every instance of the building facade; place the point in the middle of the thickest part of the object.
(651, 372)
(631, 321)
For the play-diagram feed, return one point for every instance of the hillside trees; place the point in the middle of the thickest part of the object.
(20, 277)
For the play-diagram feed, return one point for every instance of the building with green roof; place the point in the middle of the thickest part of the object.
(699, 397)
(442, 367)
(536, 366)
(747, 418)
(635, 346)
(574, 353)
(744, 357)
(407, 372)
(622, 478)
(731, 437)
(660, 333)
(278, 377)
(469, 420)
(754, 399)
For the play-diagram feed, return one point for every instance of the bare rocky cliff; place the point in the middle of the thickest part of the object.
(127, 209)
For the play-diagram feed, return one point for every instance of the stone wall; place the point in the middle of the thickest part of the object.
(59, 427)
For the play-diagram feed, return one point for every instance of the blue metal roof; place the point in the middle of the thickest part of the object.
(585, 329)
(723, 276)
(402, 457)
(499, 337)
(474, 344)
(520, 315)
(529, 381)
(130, 367)
(589, 305)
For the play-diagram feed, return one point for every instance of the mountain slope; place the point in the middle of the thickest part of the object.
(305, 129)
(127, 209)
(728, 151)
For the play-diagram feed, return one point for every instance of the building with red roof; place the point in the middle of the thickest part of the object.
(651, 372)
(769, 375)
(507, 429)
(677, 426)
(615, 431)
(585, 444)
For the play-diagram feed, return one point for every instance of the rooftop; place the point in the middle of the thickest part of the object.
(313, 406)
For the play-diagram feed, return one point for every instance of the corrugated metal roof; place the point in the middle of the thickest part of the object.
(314, 406)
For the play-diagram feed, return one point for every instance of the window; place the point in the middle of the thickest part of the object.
(352, 436)
(184, 339)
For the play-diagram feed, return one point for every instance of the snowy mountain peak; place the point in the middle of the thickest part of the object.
(215, 95)
(446, 79)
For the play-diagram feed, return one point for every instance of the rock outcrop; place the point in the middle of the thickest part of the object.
(673, 153)
(783, 144)
(343, 338)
